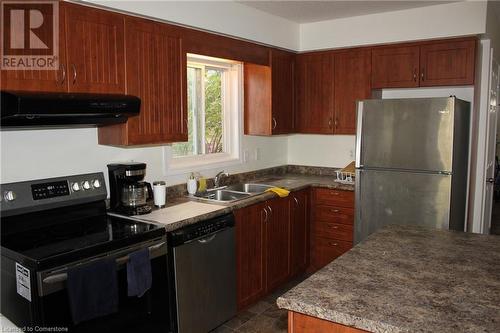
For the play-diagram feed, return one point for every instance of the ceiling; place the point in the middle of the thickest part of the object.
(314, 11)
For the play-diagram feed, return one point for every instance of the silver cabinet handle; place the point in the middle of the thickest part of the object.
(330, 122)
(265, 211)
(333, 226)
(415, 74)
(333, 244)
(296, 201)
(422, 75)
(336, 122)
(275, 123)
(335, 210)
(73, 67)
(63, 71)
(270, 210)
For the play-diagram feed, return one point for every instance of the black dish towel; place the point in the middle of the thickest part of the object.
(139, 273)
(93, 290)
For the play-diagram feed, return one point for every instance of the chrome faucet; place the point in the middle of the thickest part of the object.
(218, 178)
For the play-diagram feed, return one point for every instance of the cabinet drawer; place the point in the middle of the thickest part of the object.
(334, 197)
(334, 231)
(325, 250)
(334, 214)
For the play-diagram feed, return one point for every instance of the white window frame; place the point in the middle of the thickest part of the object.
(232, 124)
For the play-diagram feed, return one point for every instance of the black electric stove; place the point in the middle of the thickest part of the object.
(53, 225)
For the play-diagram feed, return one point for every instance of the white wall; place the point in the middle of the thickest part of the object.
(37, 154)
(439, 21)
(226, 17)
(321, 150)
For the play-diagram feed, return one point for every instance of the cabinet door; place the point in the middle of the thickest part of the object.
(447, 63)
(299, 224)
(352, 83)
(315, 93)
(282, 66)
(257, 81)
(156, 73)
(395, 67)
(40, 80)
(278, 242)
(95, 51)
(250, 254)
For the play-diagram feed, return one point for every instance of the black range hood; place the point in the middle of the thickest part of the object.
(23, 109)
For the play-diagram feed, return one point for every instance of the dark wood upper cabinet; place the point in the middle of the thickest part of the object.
(282, 73)
(447, 63)
(269, 95)
(278, 242)
(315, 93)
(299, 231)
(156, 73)
(258, 111)
(95, 50)
(395, 67)
(352, 83)
(250, 254)
(424, 64)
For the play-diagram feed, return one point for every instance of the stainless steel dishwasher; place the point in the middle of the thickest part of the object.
(204, 274)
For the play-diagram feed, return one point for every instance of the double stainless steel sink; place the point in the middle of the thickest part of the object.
(233, 192)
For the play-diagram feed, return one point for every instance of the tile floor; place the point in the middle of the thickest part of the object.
(262, 317)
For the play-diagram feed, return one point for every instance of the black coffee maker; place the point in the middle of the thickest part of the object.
(129, 195)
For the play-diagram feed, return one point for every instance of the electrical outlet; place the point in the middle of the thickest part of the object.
(351, 153)
(246, 156)
(257, 154)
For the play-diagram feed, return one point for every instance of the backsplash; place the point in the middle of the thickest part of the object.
(180, 190)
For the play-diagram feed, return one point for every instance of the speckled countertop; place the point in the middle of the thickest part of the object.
(408, 279)
(292, 182)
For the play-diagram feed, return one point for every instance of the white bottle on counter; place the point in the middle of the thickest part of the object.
(191, 184)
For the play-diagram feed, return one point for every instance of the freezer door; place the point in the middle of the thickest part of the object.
(411, 134)
(389, 197)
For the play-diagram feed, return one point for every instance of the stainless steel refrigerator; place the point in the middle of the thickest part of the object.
(411, 163)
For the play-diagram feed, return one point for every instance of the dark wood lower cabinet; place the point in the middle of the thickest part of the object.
(250, 254)
(332, 222)
(277, 242)
(271, 245)
(299, 225)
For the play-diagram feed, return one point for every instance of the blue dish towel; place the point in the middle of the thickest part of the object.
(93, 290)
(139, 273)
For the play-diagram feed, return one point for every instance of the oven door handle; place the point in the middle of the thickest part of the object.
(61, 277)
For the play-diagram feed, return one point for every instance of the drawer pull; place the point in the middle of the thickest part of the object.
(333, 244)
(333, 226)
(334, 193)
(335, 210)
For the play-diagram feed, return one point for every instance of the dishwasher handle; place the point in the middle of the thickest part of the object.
(207, 239)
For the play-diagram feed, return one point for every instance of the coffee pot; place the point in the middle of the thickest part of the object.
(129, 194)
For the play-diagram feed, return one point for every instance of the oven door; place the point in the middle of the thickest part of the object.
(148, 313)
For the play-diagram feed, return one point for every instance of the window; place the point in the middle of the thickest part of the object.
(213, 93)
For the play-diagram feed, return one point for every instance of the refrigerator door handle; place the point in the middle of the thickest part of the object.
(359, 128)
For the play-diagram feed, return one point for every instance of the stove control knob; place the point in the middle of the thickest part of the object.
(96, 183)
(75, 187)
(86, 185)
(9, 196)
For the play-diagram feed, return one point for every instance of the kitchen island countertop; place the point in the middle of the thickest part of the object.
(408, 279)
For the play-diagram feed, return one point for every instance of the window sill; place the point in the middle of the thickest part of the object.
(185, 165)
